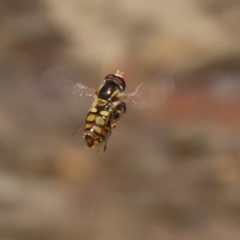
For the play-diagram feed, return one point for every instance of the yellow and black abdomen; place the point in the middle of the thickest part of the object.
(96, 129)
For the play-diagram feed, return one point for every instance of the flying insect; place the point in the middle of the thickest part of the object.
(109, 106)
(107, 109)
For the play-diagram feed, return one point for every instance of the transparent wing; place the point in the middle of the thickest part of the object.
(82, 90)
(57, 80)
(150, 94)
(61, 81)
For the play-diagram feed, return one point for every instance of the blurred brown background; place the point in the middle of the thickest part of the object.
(171, 172)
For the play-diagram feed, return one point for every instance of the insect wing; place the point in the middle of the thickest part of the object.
(82, 90)
(59, 80)
(150, 94)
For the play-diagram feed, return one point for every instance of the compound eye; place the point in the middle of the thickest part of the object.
(120, 81)
(110, 77)
(116, 79)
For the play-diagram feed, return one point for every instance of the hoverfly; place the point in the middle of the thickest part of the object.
(109, 106)
(107, 109)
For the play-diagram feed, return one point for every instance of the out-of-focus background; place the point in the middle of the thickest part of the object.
(171, 171)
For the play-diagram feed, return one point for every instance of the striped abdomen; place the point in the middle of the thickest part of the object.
(97, 128)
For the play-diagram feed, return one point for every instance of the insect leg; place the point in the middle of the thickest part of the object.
(75, 132)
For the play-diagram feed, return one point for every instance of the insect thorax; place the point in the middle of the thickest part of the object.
(108, 91)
